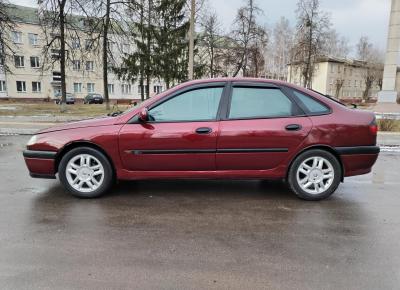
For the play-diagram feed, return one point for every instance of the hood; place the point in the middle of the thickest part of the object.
(95, 122)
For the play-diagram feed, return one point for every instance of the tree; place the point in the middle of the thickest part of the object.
(312, 26)
(335, 45)
(278, 53)
(372, 63)
(6, 26)
(107, 23)
(211, 39)
(245, 33)
(171, 46)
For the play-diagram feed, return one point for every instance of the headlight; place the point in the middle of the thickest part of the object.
(32, 141)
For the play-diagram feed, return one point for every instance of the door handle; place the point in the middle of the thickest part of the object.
(203, 130)
(293, 127)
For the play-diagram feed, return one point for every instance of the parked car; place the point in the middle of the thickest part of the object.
(70, 98)
(93, 99)
(218, 128)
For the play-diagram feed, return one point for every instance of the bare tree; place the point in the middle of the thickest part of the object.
(212, 40)
(312, 27)
(336, 45)
(278, 53)
(58, 24)
(108, 24)
(245, 33)
(6, 26)
(372, 63)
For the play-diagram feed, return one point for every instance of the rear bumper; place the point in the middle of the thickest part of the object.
(358, 160)
(41, 164)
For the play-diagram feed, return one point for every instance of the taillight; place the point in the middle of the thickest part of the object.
(373, 127)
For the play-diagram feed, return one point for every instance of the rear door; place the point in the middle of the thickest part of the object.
(261, 127)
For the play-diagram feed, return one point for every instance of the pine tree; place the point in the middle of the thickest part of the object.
(171, 45)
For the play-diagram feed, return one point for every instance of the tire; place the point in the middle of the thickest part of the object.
(310, 182)
(88, 170)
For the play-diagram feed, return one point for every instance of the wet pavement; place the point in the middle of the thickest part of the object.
(198, 234)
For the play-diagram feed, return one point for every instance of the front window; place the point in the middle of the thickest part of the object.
(259, 103)
(19, 61)
(36, 87)
(21, 86)
(33, 39)
(90, 87)
(195, 105)
(35, 62)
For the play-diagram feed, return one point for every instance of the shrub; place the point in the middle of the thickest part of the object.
(387, 125)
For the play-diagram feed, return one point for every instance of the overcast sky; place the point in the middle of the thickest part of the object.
(351, 18)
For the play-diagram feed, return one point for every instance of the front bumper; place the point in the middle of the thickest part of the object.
(41, 164)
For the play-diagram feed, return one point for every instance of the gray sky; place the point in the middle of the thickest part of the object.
(351, 18)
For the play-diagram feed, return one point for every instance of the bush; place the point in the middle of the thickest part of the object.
(388, 125)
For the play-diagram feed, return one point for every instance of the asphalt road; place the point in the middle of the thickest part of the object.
(198, 234)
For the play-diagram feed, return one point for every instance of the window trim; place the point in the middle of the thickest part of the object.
(300, 111)
(222, 103)
(291, 90)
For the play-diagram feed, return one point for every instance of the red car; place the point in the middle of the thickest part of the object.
(217, 128)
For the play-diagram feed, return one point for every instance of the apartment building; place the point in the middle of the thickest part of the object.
(30, 78)
(342, 78)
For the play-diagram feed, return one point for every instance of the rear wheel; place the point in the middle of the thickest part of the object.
(315, 175)
(85, 172)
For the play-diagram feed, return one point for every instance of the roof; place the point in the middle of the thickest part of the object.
(23, 14)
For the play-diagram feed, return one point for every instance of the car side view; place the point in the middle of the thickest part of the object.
(218, 128)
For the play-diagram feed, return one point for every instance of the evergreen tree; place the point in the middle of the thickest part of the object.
(171, 45)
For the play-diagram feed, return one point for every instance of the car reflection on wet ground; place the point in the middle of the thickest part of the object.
(198, 234)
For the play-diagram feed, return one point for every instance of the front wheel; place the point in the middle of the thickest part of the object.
(85, 172)
(315, 175)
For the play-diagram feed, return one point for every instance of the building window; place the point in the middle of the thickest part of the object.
(19, 61)
(33, 39)
(88, 44)
(76, 64)
(157, 89)
(75, 43)
(90, 87)
(16, 36)
(21, 86)
(77, 87)
(36, 87)
(111, 88)
(332, 68)
(140, 89)
(89, 65)
(3, 87)
(35, 61)
(126, 89)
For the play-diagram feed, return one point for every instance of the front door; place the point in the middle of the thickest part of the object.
(261, 128)
(181, 133)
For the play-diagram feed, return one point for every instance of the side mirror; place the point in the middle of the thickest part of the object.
(144, 115)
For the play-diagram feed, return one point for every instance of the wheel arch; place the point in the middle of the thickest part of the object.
(320, 147)
(76, 144)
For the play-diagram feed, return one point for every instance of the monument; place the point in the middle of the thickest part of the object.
(392, 60)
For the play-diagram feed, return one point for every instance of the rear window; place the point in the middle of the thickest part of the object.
(312, 105)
